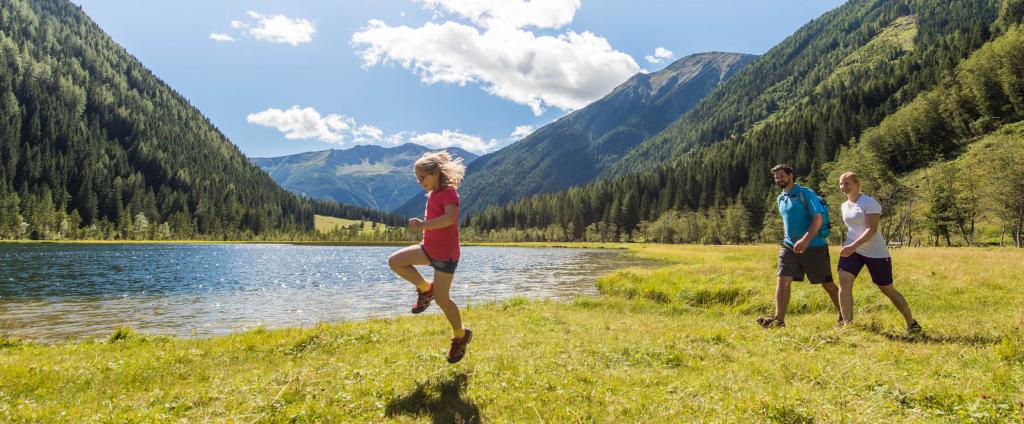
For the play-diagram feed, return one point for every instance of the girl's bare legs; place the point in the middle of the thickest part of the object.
(442, 285)
(898, 300)
(402, 263)
(846, 296)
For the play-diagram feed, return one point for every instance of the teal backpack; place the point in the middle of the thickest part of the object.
(826, 224)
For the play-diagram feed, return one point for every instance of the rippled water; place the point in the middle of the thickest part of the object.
(53, 292)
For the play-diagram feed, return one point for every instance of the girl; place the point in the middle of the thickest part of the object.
(865, 247)
(439, 175)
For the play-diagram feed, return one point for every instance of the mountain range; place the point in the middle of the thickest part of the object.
(578, 147)
(824, 89)
(371, 176)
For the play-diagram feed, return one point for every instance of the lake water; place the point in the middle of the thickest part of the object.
(52, 292)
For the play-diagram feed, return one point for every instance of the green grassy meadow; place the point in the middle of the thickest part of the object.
(675, 343)
(326, 224)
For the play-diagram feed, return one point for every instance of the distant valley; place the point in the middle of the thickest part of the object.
(371, 176)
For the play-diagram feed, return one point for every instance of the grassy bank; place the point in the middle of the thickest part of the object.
(675, 343)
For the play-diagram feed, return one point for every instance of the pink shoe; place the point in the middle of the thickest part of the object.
(458, 349)
(423, 300)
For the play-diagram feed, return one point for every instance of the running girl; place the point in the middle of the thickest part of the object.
(439, 175)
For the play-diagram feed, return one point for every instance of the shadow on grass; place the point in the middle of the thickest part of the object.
(926, 337)
(442, 401)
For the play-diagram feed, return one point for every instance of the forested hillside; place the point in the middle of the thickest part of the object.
(901, 60)
(93, 145)
(578, 147)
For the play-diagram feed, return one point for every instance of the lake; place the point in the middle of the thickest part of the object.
(53, 292)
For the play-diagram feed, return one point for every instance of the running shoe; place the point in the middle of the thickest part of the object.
(458, 349)
(423, 300)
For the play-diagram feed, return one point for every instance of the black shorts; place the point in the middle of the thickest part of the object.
(879, 268)
(443, 266)
(814, 262)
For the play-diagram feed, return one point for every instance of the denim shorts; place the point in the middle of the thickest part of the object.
(443, 266)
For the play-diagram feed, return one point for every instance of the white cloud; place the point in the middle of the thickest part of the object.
(220, 36)
(367, 133)
(304, 124)
(660, 55)
(276, 28)
(448, 138)
(518, 13)
(522, 131)
(567, 71)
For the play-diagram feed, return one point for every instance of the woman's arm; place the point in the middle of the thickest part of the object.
(872, 219)
(450, 217)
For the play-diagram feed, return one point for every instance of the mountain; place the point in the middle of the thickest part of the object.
(93, 145)
(803, 101)
(839, 74)
(578, 147)
(371, 176)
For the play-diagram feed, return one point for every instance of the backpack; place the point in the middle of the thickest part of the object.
(826, 224)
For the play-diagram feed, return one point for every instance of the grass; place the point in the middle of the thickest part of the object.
(670, 344)
(326, 224)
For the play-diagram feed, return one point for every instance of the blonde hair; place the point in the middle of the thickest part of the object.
(450, 171)
(851, 175)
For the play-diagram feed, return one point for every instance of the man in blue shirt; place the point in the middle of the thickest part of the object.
(804, 250)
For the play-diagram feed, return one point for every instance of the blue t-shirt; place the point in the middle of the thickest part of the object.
(796, 216)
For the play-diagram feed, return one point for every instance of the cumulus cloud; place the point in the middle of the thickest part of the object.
(660, 55)
(306, 123)
(522, 131)
(518, 13)
(448, 138)
(567, 71)
(499, 52)
(273, 28)
(220, 36)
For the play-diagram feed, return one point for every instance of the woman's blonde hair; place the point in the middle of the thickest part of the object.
(851, 175)
(450, 171)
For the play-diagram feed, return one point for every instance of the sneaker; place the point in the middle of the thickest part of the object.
(840, 323)
(423, 300)
(770, 322)
(914, 328)
(458, 349)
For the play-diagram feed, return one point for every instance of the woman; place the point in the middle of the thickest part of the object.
(865, 247)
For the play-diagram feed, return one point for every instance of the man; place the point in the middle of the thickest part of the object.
(804, 251)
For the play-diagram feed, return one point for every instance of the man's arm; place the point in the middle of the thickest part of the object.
(812, 232)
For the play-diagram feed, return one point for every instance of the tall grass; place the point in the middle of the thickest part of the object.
(671, 344)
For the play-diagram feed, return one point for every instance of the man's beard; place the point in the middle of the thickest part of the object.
(782, 184)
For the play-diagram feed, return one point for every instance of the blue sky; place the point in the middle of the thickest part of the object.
(284, 77)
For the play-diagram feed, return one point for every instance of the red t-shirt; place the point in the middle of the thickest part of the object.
(441, 244)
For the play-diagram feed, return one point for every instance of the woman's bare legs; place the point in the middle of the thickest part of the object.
(442, 286)
(899, 301)
(846, 296)
(402, 263)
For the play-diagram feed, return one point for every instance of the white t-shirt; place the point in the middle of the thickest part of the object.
(855, 216)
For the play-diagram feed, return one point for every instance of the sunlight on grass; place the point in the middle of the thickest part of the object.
(670, 344)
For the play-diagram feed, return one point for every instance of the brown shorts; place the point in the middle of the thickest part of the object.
(814, 262)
